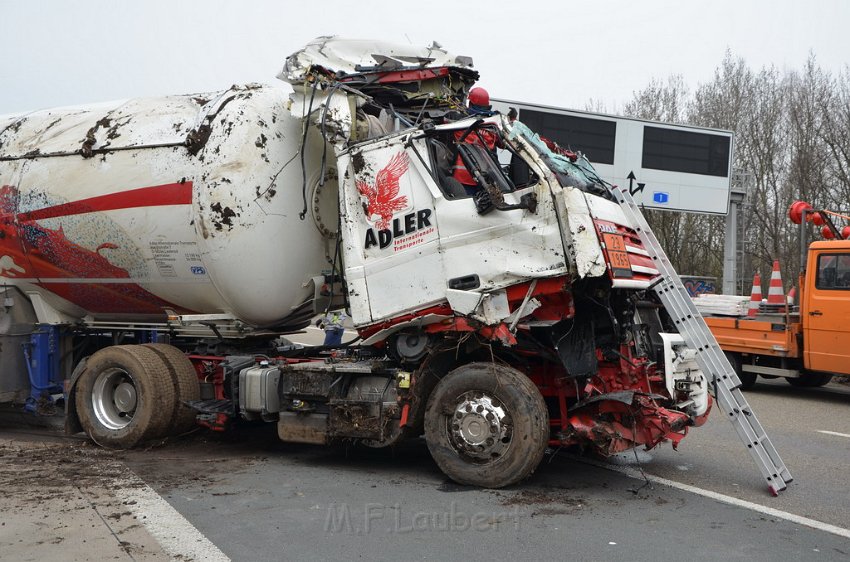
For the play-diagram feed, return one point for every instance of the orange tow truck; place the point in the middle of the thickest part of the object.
(809, 344)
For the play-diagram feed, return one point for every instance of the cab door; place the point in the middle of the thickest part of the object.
(391, 245)
(826, 313)
(490, 250)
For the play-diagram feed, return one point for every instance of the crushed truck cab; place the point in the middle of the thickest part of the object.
(521, 304)
(423, 243)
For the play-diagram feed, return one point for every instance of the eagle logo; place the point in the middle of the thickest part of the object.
(382, 197)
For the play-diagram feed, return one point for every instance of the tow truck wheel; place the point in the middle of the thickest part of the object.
(748, 380)
(810, 380)
(486, 425)
(125, 396)
(186, 386)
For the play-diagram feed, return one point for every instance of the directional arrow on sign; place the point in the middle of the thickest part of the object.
(632, 189)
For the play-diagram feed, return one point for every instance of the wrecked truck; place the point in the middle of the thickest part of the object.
(154, 251)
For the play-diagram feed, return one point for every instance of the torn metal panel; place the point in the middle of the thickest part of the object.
(398, 84)
(615, 423)
(463, 302)
(346, 57)
(493, 309)
(330, 111)
(417, 323)
(579, 233)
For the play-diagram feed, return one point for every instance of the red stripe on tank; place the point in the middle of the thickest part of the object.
(156, 196)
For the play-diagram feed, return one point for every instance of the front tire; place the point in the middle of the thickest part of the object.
(125, 396)
(486, 425)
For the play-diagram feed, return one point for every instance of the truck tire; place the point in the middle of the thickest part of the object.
(748, 380)
(186, 386)
(810, 380)
(486, 425)
(125, 396)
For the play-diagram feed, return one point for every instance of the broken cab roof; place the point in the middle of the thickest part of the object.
(347, 60)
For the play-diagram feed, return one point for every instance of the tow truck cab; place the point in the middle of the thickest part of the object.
(825, 307)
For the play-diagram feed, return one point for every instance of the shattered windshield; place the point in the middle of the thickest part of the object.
(572, 170)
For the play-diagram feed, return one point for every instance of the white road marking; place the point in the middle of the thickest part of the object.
(779, 514)
(177, 537)
(833, 433)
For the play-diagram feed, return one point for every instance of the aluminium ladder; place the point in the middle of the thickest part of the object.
(710, 358)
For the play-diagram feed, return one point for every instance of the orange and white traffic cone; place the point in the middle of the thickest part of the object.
(775, 294)
(792, 296)
(755, 296)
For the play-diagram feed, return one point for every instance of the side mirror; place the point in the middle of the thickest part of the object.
(484, 203)
(529, 201)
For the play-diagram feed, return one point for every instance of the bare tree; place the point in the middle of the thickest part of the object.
(836, 137)
(792, 135)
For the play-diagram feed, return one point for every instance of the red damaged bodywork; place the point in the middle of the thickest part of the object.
(499, 332)
(624, 252)
(403, 75)
(621, 408)
(612, 426)
(553, 294)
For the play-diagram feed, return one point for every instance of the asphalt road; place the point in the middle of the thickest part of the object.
(712, 456)
(259, 499)
(255, 498)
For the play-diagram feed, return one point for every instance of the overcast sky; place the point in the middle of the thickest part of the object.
(66, 52)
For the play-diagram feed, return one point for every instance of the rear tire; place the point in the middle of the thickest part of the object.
(810, 380)
(186, 387)
(748, 380)
(486, 425)
(125, 396)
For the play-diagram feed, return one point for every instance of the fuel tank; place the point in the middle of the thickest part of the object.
(194, 203)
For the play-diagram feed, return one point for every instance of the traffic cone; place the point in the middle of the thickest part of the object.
(755, 296)
(775, 294)
(792, 295)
